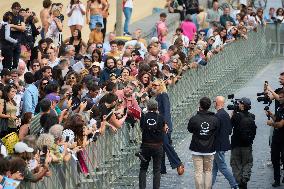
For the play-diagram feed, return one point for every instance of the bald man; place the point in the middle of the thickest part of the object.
(222, 143)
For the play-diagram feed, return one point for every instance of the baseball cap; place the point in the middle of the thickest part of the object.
(245, 101)
(53, 97)
(21, 147)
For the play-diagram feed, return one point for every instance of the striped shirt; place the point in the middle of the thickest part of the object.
(35, 125)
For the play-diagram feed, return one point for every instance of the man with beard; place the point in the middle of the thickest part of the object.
(130, 103)
(277, 146)
(109, 68)
(5, 76)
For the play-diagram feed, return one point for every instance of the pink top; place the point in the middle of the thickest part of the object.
(161, 26)
(128, 102)
(189, 29)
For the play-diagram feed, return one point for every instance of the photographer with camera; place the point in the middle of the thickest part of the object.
(277, 146)
(274, 95)
(244, 131)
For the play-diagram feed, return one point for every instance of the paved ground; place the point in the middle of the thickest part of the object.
(262, 173)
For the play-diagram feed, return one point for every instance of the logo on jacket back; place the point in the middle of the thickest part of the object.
(204, 128)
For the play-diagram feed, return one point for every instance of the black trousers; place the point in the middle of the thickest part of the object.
(277, 148)
(156, 154)
(104, 29)
(11, 56)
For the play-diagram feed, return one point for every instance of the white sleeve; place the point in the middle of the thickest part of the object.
(7, 35)
(4, 150)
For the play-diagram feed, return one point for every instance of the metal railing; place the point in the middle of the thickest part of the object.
(111, 161)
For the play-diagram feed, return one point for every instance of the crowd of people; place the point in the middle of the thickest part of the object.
(59, 93)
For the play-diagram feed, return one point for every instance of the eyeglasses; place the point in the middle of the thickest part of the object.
(193, 43)
(99, 46)
(36, 65)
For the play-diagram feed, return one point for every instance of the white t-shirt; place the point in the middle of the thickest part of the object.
(76, 18)
(54, 63)
(129, 4)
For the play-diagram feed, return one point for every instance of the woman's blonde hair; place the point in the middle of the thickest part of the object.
(163, 88)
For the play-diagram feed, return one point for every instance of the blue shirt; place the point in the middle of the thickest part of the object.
(30, 98)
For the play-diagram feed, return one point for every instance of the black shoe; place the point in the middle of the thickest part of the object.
(276, 184)
(127, 34)
(141, 157)
(163, 172)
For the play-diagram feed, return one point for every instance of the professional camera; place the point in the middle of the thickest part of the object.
(263, 97)
(235, 105)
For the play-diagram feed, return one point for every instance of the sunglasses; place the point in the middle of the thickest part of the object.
(193, 43)
(155, 85)
(99, 46)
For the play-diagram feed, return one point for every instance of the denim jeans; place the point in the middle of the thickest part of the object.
(219, 163)
(94, 19)
(203, 171)
(155, 153)
(127, 13)
(171, 153)
(164, 46)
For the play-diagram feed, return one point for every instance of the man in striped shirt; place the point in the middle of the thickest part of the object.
(45, 106)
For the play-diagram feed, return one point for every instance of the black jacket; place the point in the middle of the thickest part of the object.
(237, 131)
(203, 126)
(222, 142)
(152, 126)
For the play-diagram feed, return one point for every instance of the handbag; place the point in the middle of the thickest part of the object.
(4, 122)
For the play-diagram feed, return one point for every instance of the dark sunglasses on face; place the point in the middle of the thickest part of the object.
(99, 46)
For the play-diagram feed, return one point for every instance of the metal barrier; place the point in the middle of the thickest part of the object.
(111, 161)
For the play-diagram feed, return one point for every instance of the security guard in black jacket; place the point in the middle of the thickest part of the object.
(153, 127)
(277, 145)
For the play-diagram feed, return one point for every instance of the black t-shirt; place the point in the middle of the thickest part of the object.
(279, 132)
(277, 104)
(17, 20)
(152, 125)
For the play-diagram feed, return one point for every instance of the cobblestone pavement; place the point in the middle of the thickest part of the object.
(262, 173)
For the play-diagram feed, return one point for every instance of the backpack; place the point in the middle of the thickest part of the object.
(247, 129)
